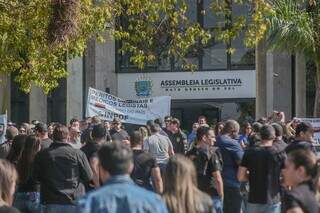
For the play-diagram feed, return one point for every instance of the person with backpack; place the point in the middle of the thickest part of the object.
(208, 163)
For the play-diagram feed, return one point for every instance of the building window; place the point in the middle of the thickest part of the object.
(211, 57)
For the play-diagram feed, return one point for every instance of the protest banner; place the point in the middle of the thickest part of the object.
(137, 111)
(315, 122)
(3, 128)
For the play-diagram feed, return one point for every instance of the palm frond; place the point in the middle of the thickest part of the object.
(291, 28)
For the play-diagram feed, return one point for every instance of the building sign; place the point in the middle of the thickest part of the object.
(189, 85)
(139, 111)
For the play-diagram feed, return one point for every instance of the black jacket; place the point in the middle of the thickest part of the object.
(61, 171)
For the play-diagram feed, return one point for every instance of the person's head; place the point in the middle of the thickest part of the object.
(247, 129)
(231, 128)
(136, 138)
(205, 135)
(154, 128)
(301, 165)
(11, 132)
(60, 133)
(144, 132)
(262, 120)
(8, 179)
(180, 185)
(195, 127)
(74, 133)
(115, 159)
(98, 132)
(256, 126)
(41, 130)
(18, 143)
(149, 124)
(267, 133)
(24, 129)
(174, 125)
(159, 121)
(167, 120)
(95, 120)
(24, 166)
(304, 131)
(202, 120)
(84, 125)
(278, 130)
(116, 123)
(74, 123)
(218, 128)
(107, 125)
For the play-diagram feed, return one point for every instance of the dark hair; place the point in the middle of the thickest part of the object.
(267, 132)
(308, 160)
(41, 127)
(16, 148)
(168, 117)
(136, 138)
(25, 163)
(154, 128)
(216, 128)
(278, 129)
(60, 133)
(159, 121)
(256, 126)
(98, 131)
(202, 117)
(73, 120)
(303, 127)
(116, 158)
(245, 125)
(150, 122)
(175, 121)
(202, 131)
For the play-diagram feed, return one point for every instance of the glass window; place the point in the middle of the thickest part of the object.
(192, 10)
(215, 57)
(210, 20)
(243, 57)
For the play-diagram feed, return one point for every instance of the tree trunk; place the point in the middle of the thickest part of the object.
(316, 109)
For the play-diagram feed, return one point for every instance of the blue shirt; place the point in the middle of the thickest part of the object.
(244, 139)
(232, 154)
(121, 195)
(191, 137)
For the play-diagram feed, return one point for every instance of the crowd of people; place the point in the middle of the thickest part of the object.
(92, 165)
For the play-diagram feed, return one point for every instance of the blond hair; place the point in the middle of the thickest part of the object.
(8, 177)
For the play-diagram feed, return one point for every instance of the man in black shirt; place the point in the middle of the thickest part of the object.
(208, 163)
(61, 170)
(41, 131)
(90, 149)
(264, 166)
(303, 138)
(117, 133)
(177, 137)
(145, 166)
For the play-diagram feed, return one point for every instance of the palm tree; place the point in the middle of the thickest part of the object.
(295, 28)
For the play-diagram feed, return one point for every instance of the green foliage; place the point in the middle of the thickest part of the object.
(25, 47)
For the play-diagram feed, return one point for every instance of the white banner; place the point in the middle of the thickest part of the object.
(137, 111)
(3, 128)
(315, 122)
(189, 85)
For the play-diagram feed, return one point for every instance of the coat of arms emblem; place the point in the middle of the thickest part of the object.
(143, 87)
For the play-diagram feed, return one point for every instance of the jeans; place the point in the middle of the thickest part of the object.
(217, 204)
(27, 202)
(56, 208)
(264, 208)
(232, 200)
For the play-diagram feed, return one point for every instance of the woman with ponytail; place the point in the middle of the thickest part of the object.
(301, 174)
